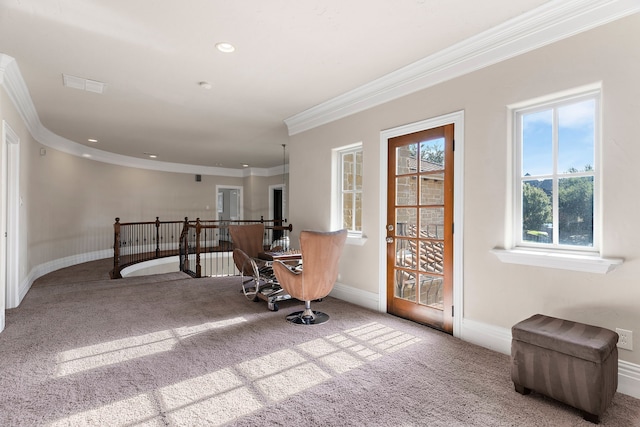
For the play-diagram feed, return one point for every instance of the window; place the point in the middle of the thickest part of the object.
(350, 189)
(557, 173)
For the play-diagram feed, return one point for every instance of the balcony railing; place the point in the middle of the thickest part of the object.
(204, 247)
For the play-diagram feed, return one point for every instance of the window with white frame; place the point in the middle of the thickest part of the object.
(557, 199)
(349, 212)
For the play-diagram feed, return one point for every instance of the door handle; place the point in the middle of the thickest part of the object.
(389, 239)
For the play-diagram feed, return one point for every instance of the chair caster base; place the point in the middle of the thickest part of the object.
(305, 318)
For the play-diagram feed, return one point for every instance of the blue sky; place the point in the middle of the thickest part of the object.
(575, 139)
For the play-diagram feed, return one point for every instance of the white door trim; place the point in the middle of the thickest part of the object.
(457, 118)
(11, 213)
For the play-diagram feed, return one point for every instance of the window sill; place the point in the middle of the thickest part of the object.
(565, 261)
(356, 240)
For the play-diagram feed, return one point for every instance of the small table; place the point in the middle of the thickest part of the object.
(265, 284)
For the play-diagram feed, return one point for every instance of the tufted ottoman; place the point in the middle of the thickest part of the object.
(568, 361)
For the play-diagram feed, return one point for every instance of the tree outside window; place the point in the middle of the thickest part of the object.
(557, 172)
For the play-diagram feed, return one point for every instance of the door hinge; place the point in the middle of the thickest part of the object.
(453, 227)
(451, 311)
(453, 148)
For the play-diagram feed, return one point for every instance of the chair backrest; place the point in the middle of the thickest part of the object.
(248, 238)
(320, 255)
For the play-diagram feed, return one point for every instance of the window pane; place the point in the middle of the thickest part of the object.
(406, 254)
(406, 159)
(576, 137)
(405, 285)
(347, 210)
(358, 213)
(575, 211)
(432, 155)
(537, 211)
(407, 222)
(431, 291)
(358, 171)
(432, 189)
(406, 191)
(432, 256)
(432, 223)
(347, 172)
(537, 143)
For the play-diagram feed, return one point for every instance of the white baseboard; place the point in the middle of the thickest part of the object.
(2, 320)
(42, 269)
(485, 335)
(629, 379)
(355, 296)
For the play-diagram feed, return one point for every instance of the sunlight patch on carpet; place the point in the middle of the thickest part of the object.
(220, 397)
(217, 398)
(139, 409)
(125, 349)
(383, 337)
(292, 381)
(271, 364)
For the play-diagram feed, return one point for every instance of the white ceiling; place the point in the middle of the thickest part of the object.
(291, 55)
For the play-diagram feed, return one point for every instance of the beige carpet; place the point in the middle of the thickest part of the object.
(83, 350)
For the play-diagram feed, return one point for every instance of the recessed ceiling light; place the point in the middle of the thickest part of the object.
(151, 155)
(86, 155)
(244, 165)
(225, 47)
(92, 140)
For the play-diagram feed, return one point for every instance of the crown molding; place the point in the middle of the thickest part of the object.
(549, 23)
(15, 86)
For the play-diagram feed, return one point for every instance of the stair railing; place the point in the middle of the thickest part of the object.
(203, 246)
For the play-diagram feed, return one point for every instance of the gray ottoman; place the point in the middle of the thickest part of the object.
(568, 361)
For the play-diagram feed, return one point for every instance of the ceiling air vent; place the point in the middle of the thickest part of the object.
(83, 84)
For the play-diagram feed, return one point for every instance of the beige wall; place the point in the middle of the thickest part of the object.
(256, 195)
(73, 201)
(495, 293)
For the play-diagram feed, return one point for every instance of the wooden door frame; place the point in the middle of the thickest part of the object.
(457, 118)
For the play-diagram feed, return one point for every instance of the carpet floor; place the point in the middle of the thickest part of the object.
(168, 350)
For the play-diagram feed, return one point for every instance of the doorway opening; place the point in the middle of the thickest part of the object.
(229, 207)
(9, 220)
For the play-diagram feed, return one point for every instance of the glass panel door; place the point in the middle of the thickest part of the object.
(419, 228)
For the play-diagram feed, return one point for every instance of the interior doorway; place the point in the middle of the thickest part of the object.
(229, 207)
(9, 220)
(276, 207)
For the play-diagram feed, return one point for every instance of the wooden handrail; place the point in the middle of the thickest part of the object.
(136, 242)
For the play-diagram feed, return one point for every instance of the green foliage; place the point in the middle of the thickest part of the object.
(433, 154)
(536, 208)
(575, 210)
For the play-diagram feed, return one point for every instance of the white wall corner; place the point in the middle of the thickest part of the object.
(356, 296)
